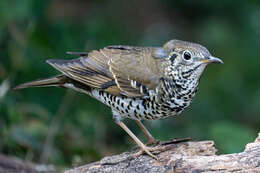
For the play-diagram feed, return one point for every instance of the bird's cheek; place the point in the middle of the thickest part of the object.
(201, 68)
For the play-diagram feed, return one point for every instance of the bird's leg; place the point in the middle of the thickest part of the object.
(137, 141)
(151, 139)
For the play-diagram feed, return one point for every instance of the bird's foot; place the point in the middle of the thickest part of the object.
(146, 150)
(149, 150)
(152, 141)
(175, 141)
(163, 146)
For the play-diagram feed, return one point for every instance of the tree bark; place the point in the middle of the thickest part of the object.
(14, 165)
(195, 157)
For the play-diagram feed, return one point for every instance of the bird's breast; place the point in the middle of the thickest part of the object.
(146, 108)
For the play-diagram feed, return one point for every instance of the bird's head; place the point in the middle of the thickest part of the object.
(185, 58)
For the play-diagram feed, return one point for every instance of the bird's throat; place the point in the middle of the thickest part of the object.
(178, 92)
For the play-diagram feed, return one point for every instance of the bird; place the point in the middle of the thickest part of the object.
(139, 83)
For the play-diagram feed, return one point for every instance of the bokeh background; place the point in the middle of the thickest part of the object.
(65, 128)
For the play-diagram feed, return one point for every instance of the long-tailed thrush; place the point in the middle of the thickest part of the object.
(140, 83)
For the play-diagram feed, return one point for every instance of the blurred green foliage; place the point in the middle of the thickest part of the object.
(64, 128)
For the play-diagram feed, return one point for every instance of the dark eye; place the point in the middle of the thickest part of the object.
(187, 55)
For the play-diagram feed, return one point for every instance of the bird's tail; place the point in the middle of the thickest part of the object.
(53, 81)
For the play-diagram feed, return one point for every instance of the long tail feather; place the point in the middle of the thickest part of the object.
(53, 81)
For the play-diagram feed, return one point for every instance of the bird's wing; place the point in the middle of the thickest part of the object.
(118, 70)
(89, 71)
(133, 68)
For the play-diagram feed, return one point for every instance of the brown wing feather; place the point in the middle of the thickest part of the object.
(134, 70)
(118, 70)
(80, 70)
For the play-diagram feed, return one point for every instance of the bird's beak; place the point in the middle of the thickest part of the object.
(212, 59)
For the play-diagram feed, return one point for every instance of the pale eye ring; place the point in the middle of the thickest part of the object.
(186, 55)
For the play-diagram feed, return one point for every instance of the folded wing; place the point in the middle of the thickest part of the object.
(119, 70)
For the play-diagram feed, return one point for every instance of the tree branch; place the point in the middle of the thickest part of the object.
(15, 165)
(192, 157)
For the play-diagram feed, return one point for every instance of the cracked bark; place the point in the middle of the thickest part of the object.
(184, 157)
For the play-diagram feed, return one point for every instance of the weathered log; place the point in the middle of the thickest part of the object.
(14, 165)
(192, 157)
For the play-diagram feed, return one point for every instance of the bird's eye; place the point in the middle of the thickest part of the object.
(187, 55)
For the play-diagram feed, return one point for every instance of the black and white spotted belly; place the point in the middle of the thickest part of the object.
(168, 99)
(139, 108)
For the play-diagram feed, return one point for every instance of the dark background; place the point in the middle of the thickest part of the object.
(65, 128)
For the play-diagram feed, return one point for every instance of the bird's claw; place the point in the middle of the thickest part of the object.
(152, 141)
(163, 146)
(149, 150)
(175, 141)
(146, 150)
